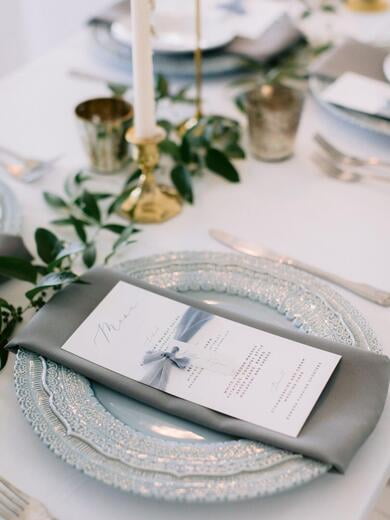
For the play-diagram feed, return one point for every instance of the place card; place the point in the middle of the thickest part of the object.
(223, 365)
(360, 93)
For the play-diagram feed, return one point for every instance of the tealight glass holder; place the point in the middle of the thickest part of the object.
(274, 113)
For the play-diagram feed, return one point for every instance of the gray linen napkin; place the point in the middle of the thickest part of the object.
(351, 56)
(342, 419)
(12, 245)
(281, 35)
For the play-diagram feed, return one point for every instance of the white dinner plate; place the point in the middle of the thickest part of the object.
(139, 449)
(374, 124)
(10, 214)
(174, 32)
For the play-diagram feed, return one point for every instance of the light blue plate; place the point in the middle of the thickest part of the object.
(139, 449)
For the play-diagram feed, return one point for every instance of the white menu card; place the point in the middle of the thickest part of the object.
(359, 93)
(234, 369)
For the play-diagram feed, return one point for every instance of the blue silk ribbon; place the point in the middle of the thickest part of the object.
(189, 324)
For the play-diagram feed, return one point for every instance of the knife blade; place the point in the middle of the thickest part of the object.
(363, 290)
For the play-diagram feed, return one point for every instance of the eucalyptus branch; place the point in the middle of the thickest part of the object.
(54, 268)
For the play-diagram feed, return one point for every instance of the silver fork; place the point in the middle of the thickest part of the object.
(24, 168)
(346, 159)
(14, 504)
(344, 174)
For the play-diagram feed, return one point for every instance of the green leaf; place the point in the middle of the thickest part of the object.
(133, 177)
(81, 177)
(218, 162)
(167, 125)
(185, 149)
(162, 86)
(118, 201)
(3, 358)
(321, 48)
(70, 249)
(114, 228)
(52, 280)
(89, 255)
(54, 200)
(12, 267)
(181, 178)
(102, 196)
(48, 245)
(170, 148)
(234, 151)
(123, 237)
(89, 206)
(118, 89)
(239, 101)
(328, 8)
(79, 227)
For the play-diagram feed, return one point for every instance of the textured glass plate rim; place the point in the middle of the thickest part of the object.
(380, 126)
(10, 217)
(141, 484)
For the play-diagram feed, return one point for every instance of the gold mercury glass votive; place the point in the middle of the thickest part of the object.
(104, 123)
(367, 5)
(273, 114)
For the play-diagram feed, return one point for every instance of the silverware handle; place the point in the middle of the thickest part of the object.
(11, 153)
(361, 289)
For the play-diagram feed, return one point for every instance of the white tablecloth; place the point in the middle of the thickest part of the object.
(288, 206)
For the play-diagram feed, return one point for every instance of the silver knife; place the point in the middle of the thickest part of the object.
(361, 289)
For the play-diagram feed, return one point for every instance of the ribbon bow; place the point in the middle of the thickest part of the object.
(191, 321)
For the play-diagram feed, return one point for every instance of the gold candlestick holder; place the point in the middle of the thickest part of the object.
(149, 202)
(198, 57)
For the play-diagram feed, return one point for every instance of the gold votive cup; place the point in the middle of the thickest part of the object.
(368, 5)
(274, 112)
(104, 123)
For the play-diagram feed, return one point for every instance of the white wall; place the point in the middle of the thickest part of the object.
(28, 28)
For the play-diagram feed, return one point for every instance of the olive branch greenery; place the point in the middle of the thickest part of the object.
(290, 68)
(87, 214)
(210, 145)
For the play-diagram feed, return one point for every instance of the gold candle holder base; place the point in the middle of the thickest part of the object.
(149, 202)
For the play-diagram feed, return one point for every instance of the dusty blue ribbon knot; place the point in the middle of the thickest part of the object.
(191, 321)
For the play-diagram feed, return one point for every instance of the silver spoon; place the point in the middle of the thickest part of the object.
(26, 169)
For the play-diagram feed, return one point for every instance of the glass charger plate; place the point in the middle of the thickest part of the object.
(10, 216)
(374, 124)
(138, 449)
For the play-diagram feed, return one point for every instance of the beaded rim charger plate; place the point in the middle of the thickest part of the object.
(138, 449)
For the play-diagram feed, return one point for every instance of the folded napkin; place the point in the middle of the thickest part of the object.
(279, 36)
(351, 56)
(342, 419)
(12, 245)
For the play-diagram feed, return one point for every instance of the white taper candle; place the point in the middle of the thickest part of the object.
(143, 81)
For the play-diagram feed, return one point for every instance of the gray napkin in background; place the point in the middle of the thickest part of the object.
(281, 35)
(12, 245)
(342, 419)
(351, 56)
